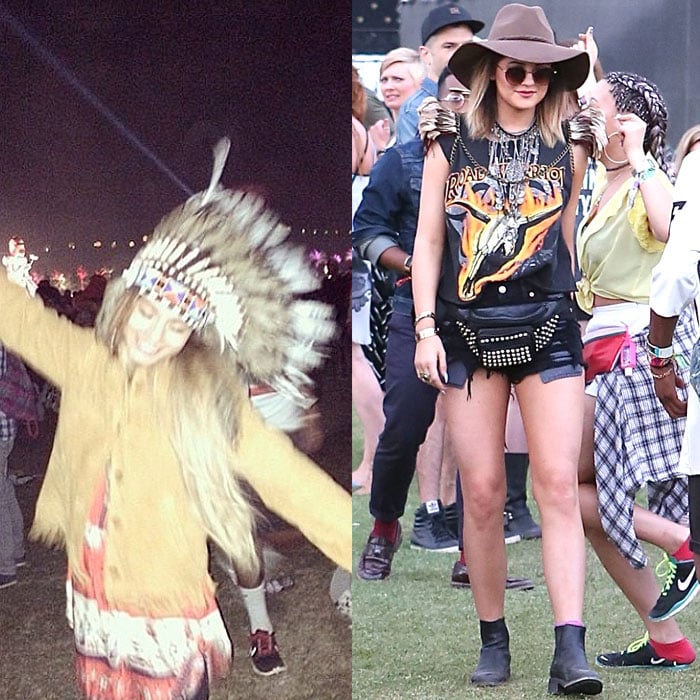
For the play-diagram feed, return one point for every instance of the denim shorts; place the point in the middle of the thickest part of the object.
(561, 358)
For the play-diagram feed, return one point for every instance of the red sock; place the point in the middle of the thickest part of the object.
(681, 651)
(683, 553)
(384, 529)
(462, 560)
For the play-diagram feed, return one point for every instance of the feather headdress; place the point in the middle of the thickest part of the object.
(222, 261)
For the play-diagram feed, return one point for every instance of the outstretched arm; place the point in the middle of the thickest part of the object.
(53, 346)
(295, 488)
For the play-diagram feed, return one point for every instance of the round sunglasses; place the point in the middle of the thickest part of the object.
(515, 75)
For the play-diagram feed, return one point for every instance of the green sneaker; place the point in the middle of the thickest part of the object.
(680, 587)
(639, 654)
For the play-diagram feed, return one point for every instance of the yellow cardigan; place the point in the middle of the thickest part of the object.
(156, 555)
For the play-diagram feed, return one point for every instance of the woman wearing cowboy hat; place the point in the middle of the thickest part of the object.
(492, 288)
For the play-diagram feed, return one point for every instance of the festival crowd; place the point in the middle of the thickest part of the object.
(524, 277)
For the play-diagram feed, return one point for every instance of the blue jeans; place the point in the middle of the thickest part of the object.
(409, 409)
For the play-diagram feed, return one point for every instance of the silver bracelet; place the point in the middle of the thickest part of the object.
(426, 333)
(424, 315)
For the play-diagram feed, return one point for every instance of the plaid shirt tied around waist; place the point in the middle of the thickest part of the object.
(638, 444)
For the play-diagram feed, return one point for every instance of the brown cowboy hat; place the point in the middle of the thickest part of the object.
(523, 33)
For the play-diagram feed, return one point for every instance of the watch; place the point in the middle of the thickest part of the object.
(407, 263)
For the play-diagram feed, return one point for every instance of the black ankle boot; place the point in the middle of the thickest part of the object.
(570, 673)
(518, 523)
(494, 661)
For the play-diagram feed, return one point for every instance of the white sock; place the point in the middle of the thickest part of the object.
(256, 606)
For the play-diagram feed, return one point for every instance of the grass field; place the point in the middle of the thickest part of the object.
(415, 637)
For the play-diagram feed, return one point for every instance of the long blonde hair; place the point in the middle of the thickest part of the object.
(481, 113)
(204, 410)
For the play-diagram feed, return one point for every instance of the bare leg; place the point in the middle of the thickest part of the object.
(476, 428)
(658, 530)
(448, 474)
(639, 585)
(367, 398)
(553, 415)
(430, 455)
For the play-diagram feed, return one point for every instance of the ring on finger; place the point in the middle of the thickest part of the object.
(424, 376)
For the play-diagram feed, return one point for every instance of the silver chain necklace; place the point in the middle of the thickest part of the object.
(510, 158)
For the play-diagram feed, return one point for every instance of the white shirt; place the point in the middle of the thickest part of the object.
(675, 283)
(674, 280)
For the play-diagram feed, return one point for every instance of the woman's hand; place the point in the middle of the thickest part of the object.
(431, 362)
(587, 43)
(631, 130)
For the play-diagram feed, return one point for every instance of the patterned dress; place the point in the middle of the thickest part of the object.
(121, 655)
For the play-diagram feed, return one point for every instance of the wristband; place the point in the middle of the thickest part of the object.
(426, 333)
(659, 361)
(422, 316)
(407, 263)
(654, 351)
(643, 175)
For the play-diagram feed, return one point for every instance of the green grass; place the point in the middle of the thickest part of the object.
(415, 637)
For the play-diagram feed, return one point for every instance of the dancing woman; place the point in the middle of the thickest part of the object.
(156, 430)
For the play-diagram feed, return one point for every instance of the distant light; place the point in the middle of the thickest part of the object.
(71, 246)
(113, 244)
(47, 249)
(131, 244)
(97, 244)
(144, 238)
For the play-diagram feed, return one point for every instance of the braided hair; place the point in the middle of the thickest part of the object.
(637, 95)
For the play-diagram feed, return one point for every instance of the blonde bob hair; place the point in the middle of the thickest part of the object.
(410, 57)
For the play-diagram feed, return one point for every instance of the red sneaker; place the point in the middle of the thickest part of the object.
(265, 654)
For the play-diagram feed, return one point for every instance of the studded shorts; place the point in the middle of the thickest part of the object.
(562, 356)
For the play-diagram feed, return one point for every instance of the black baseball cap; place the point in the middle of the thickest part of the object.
(446, 16)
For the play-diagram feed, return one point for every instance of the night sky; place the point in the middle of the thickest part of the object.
(271, 75)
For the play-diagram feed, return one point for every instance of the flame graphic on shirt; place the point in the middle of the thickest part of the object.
(484, 230)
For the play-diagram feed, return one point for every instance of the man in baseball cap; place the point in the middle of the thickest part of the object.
(443, 31)
(447, 16)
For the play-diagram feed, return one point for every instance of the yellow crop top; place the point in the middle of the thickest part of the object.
(616, 249)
